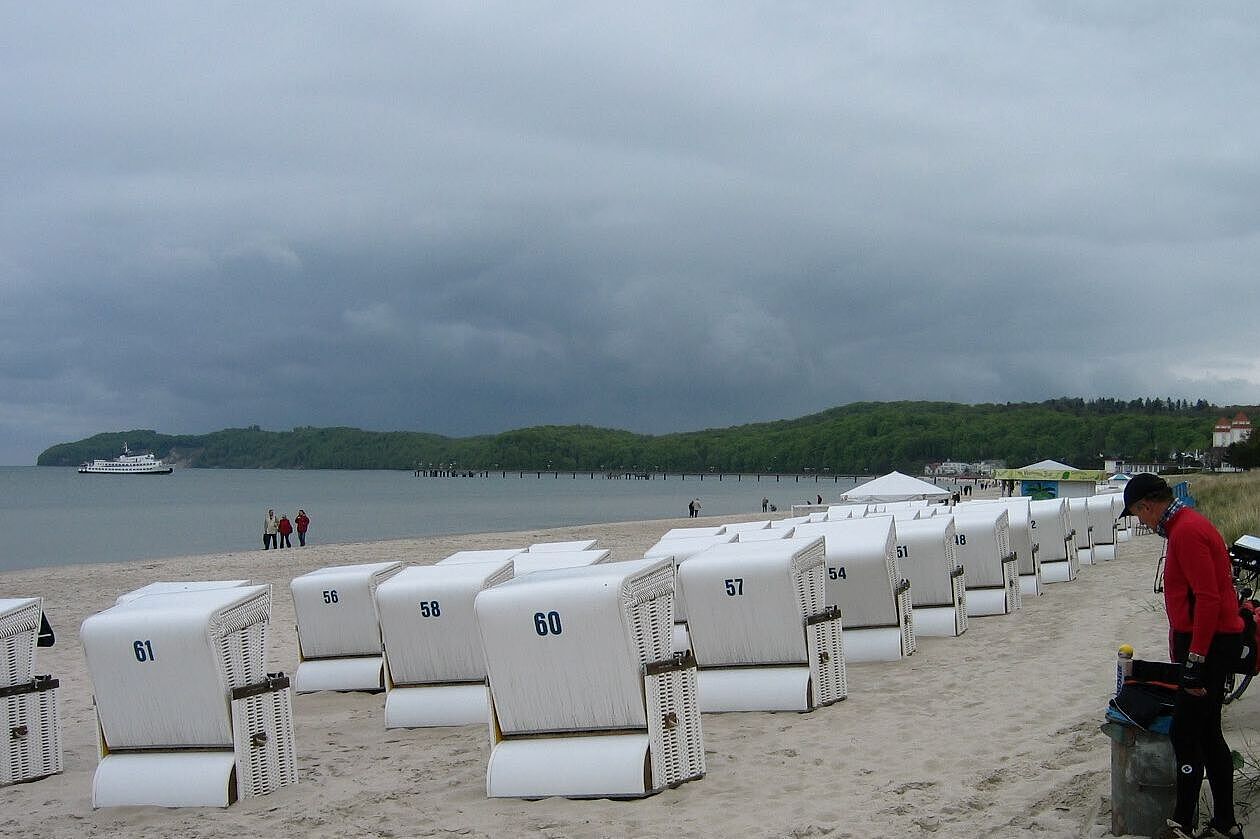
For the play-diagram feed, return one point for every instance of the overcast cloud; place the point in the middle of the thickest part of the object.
(466, 218)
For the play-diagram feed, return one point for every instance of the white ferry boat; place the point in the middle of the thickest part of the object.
(126, 464)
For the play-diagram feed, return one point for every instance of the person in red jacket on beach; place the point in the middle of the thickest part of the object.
(302, 521)
(285, 528)
(1205, 637)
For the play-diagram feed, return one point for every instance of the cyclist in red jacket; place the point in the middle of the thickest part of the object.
(1205, 636)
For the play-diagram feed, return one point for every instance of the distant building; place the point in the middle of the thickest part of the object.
(1227, 431)
(1116, 466)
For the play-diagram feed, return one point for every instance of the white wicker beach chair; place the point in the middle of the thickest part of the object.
(339, 632)
(435, 672)
(789, 522)
(680, 550)
(495, 556)
(770, 534)
(693, 532)
(1056, 543)
(1078, 515)
(169, 587)
(549, 561)
(187, 715)
(846, 511)
(928, 556)
(1023, 543)
(586, 698)
(1102, 526)
(571, 545)
(30, 747)
(762, 634)
(746, 526)
(1123, 532)
(865, 581)
(982, 537)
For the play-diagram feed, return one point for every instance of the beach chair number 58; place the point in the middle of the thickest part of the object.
(547, 624)
(837, 573)
(143, 650)
(735, 587)
(330, 596)
(430, 609)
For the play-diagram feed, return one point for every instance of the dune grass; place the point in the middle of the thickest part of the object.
(1231, 501)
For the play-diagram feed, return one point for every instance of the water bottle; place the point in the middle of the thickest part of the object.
(1124, 665)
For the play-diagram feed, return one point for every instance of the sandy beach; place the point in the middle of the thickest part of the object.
(992, 734)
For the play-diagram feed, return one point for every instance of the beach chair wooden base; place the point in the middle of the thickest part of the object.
(875, 643)
(1103, 552)
(363, 673)
(1030, 585)
(31, 749)
(939, 621)
(428, 706)
(986, 602)
(1059, 571)
(756, 689)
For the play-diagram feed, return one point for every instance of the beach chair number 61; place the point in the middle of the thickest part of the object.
(735, 587)
(547, 624)
(330, 596)
(143, 650)
(837, 573)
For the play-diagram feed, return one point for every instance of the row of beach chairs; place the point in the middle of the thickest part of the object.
(591, 675)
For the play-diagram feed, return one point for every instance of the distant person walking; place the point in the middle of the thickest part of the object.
(765, 504)
(820, 499)
(285, 527)
(303, 522)
(695, 512)
(691, 509)
(270, 528)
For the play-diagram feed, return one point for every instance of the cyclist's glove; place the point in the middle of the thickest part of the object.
(1192, 675)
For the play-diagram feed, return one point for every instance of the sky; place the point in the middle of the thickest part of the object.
(465, 218)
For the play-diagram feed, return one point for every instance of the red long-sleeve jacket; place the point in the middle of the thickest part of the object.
(1198, 584)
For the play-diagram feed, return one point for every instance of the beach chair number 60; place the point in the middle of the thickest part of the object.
(143, 650)
(547, 624)
(837, 573)
(735, 587)
(330, 595)
(430, 609)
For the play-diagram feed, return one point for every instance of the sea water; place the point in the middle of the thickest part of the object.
(55, 516)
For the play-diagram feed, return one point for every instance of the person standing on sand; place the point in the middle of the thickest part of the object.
(302, 521)
(270, 526)
(765, 504)
(285, 527)
(691, 509)
(696, 512)
(1205, 637)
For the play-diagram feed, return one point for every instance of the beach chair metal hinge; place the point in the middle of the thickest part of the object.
(956, 573)
(37, 685)
(17, 732)
(258, 740)
(678, 661)
(1009, 558)
(273, 683)
(903, 587)
(831, 613)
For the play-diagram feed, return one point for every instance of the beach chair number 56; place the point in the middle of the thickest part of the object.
(837, 573)
(143, 650)
(547, 624)
(330, 596)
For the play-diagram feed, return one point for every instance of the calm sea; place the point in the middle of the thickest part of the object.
(55, 516)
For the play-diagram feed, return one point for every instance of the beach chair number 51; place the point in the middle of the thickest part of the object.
(547, 624)
(837, 573)
(143, 651)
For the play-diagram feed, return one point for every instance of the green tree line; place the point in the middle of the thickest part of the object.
(859, 438)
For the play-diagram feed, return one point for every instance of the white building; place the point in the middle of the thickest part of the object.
(1227, 431)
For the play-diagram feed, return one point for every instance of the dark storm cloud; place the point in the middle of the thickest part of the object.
(467, 219)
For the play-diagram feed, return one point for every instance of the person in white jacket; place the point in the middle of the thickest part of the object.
(270, 527)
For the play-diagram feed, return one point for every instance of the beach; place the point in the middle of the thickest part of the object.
(991, 734)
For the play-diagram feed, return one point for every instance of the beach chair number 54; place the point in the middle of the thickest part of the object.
(547, 624)
(836, 573)
(143, 650)
(330, 596)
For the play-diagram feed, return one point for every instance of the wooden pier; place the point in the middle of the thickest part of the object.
(632, 475)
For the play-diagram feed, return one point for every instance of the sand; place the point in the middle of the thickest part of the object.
(993, 734)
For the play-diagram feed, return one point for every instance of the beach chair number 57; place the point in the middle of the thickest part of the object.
(547, 624)
(735, 587)
(837, 573)
(143, 650)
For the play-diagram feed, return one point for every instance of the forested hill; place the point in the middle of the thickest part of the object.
(860, 438)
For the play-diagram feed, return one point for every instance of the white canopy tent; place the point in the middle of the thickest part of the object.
(894, 486)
